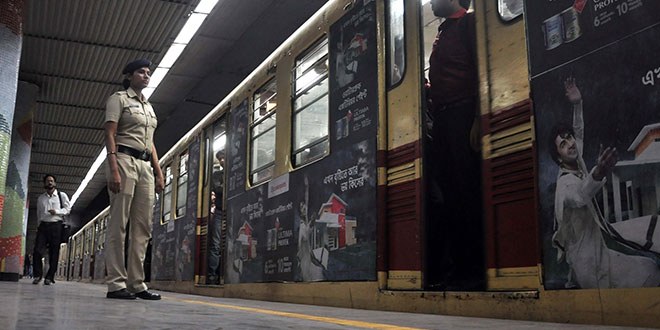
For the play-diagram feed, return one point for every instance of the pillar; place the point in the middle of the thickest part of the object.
(11, 31)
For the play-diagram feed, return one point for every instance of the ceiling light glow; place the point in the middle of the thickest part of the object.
(192, 25)
(157, 77)
(172, 55)
(92, 170)
(205, 6)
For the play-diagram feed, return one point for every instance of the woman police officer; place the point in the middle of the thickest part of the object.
(130, 122)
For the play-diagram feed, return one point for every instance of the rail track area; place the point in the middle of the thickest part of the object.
(68, 305)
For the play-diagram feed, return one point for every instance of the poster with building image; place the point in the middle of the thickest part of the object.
(318, 222)
(598, 219)
(562, 30)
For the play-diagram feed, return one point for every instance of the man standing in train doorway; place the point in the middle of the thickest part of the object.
(52, 206)
(454, 218)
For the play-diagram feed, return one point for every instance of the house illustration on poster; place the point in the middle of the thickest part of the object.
(247, 246)
(636, 183)
(334, 229)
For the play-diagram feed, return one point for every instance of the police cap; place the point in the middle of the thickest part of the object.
(130, 67)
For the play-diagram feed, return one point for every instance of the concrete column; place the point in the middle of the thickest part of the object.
(11, 31)
(13, 230)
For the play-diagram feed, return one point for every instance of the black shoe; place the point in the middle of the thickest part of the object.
(146, 295)
(36, 280)
(48, 282)
(120, 294)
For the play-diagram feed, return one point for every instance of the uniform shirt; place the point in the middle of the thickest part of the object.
(136, 120)
(453, 71)
(47, 202)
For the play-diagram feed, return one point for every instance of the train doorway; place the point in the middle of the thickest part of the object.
(453, 228)
(214, 217)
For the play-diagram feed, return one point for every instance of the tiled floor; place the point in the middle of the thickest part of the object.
(73, 305)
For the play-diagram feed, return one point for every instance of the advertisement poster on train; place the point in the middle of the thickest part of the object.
(319, 222)
(245, 237)
(353, 76)
(174, 242)
(598, 138)
(336, 216)
(562, 30)
(237, 149)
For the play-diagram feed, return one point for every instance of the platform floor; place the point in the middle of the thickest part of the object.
(74, 305)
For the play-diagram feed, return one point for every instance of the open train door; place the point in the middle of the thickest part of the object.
(211, 223)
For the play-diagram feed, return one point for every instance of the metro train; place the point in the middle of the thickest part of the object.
(314, 174)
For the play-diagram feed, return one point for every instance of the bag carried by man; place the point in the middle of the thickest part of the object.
(66, 228)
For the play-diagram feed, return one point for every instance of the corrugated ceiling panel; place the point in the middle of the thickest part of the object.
(127, 23)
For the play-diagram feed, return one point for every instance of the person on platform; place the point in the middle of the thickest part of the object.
(52, 206)
(133, 174)
(455, 190)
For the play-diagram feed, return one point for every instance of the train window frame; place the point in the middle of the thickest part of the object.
(180, 210)
(263, 119)
(308, 60)
(389, 56)
(168, 176)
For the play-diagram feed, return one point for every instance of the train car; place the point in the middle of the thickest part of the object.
(87, 251)
(77, 261)
(62, 261)
(310, 182)
(101, 223)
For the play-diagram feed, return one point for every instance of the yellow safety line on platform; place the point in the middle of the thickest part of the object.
(360, 324)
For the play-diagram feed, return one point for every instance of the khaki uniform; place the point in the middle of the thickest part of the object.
(136, 122)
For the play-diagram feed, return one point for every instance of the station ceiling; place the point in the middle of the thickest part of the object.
(74, 51)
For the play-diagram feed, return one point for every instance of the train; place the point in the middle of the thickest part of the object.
(309, 182)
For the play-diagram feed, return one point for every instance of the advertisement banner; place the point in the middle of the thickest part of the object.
(563, 30)
(237, 138)
(598, 144)
(318, 222)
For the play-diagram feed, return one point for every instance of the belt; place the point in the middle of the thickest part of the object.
(143, 155)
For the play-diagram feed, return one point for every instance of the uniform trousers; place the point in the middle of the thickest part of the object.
(49, 235)
(134, 201)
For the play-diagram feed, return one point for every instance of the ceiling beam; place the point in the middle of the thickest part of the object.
(69, 142)
(36, 73)
(89, 43)
(64, 175)
(70, 105)
(68, 126)
(62, 154)
(60, 165)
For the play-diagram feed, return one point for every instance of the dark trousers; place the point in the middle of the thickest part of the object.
(455, 202)
(48, 237)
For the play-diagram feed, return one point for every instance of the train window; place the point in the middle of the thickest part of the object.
(182, 186)
(262, 133)
(509, 9)
(167, 196)
(396, 55)
(310, 104)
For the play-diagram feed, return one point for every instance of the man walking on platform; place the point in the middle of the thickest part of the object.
(52, 206)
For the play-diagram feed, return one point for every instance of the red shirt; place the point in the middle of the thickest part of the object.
(453, 67)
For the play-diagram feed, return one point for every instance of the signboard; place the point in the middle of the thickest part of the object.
(563, 30)
(596, 94)
(237, 149)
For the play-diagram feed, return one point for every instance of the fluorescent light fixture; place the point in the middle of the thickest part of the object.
(148, 91)
(219, 143)
(425, 2)
(92, 170)
(157, 77)
(190, 28)
(205, 6)
(172, 55)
